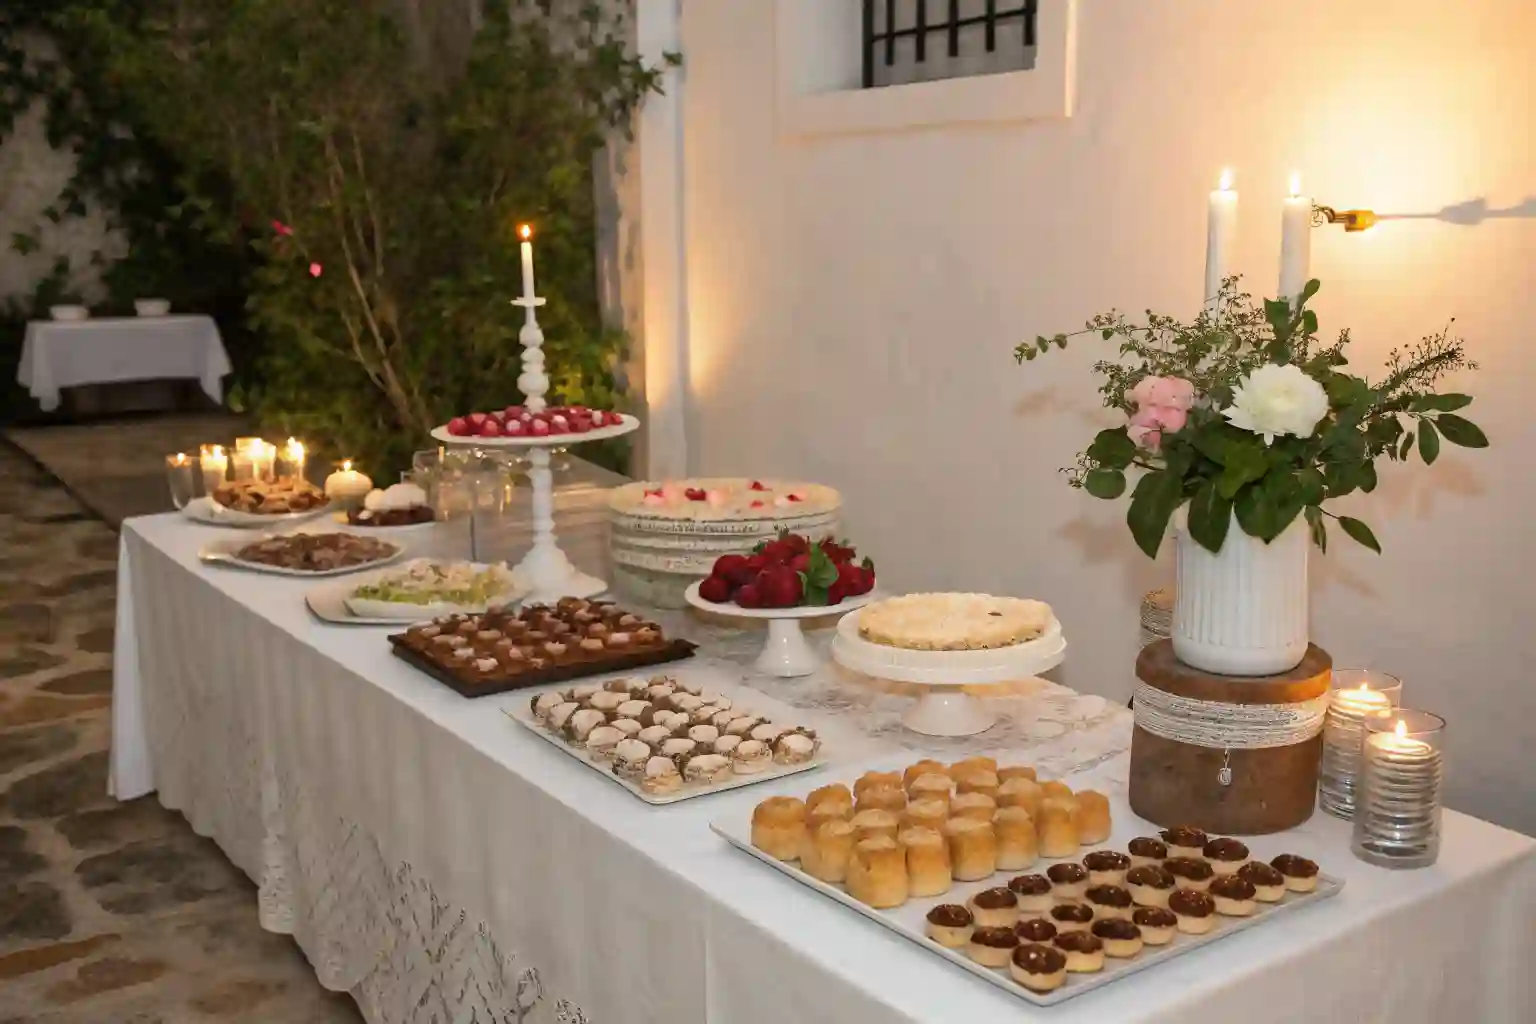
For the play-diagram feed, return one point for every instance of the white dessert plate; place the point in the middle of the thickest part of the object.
(333, 602)
(626, 424)
(206, 510)
(909, 920)
(522, 714)
(949, 668)
(786, 653)
(226, 553)
(848, 604)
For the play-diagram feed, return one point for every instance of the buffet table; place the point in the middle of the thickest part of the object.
(441, 864)
(65, 354)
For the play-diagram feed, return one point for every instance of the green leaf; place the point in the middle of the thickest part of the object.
(1112, 448)
(1440, 403)
(1246, 462)
(1254, 513)
(1107, 333)
(1406, 447)
(1367, 474)
(1104, 483)
(1318, 527)
(1156, 497)
(1310, 487)
(1360, 533)
(820, 570)
(1429, 442)
(1210, 514)
(1461, 432)
(1309, 321)
(1278, 313)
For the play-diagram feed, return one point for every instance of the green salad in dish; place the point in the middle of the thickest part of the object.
(424, 583)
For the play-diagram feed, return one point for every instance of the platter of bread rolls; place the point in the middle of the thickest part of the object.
(1021, 881)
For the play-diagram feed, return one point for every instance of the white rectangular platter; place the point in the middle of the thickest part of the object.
(909, 921)
(523, 715)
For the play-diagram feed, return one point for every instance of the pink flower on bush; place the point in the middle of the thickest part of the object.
(315, 270)
(1162, 407)
(281, 228)
(1168, 392)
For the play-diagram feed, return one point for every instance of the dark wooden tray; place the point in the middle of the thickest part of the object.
(675, 650)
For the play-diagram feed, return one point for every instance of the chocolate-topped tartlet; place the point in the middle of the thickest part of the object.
(949, 924)
(1108, 901)
(992, 947)
(1233, 895)
(1190, 872)
(1036, 929)
(1157, 924)
(1184, 840)
(1226, 855)
(997, 907)
(1083, 949)
(1196, 911)
(1071, 916)
(1038, 968)
(1300, 873)
(1067, 880)
(1106, 867)
(1146, 850)
(1033, 891)
(1268, 882)
(1121, 938)
(1149, 885)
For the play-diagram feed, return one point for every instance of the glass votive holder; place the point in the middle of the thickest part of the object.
(1357, 694)
(178, 473)
(214, 466)
(1402, 783)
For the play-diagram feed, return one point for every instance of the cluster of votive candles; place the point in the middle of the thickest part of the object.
(252, 458)
(1383, 768)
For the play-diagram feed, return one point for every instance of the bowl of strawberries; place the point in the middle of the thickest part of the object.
(784, 581)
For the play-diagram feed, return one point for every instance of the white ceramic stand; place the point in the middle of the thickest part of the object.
(545, 571)
(786, 653)
(945, 708)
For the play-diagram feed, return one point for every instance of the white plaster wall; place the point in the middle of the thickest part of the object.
(854, 299)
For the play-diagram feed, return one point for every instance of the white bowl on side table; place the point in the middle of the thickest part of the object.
(151, 307)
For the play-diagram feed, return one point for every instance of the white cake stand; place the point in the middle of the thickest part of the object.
(945, 709)
(545, 571)
(785, 653)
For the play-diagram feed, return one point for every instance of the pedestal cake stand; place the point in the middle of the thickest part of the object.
(945, 709)
(545, 571)
(786, 653)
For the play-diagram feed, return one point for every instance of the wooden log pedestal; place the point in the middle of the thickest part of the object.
(1271, 789)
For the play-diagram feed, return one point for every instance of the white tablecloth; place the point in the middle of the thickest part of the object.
(64, 354)
(443, 866)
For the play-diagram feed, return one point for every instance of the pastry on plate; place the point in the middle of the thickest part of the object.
(707, 768)
(977, 781)
(1268, 883)
(1016, 845)
(1057, 832)
(1225, 855)
(992, 947)
(928, 868)
(877, 873)
(1016, 771)
(1109, 901)
(661, 776)
(869, 824)
(1234, 896)
(827, 849)
(876, 780)
(1055, 788)
(996, 907)
(979, 763)
(1034, 893)
(1038, 967)
(972, 805)
(751, 757)
(778, 827)
(834, 792)
(1190, 872)
(1020, 792)
(1084, 951)
(1149, 885)
(1035, 929)
(1300, 873)
(1145, 850)
(1121, 938)
(950, 925)
(794, 748)
(883, 798)
(972, 848)
(953, 622)
(1106, 867)
(1069, 881)
(1195, 911)
(1185, 841)
(917, 769)
(1071, 916)
(1093, 824)
(925, 814)
(931, 786)
(1157, 924)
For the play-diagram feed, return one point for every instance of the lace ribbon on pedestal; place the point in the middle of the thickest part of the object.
(1222, 726)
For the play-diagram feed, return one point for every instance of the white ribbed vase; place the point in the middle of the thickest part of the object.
(1243, 610)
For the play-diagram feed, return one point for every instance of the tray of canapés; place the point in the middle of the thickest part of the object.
(480, 654)
(665, 740)
(950, 857)
(302, 553)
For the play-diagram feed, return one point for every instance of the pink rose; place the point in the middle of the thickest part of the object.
(1168, 392)
(1150, 422)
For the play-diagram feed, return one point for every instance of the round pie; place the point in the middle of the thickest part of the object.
(953, 622)
(723, 499)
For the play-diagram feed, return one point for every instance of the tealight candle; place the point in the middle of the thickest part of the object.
(1397, 818)
(346, 485)
(178, 473)
(1359, 693)
(294, 456)
(214, 464)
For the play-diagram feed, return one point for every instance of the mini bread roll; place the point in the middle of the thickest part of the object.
(931, 786)
(1020, 792)
(972, 848)
(876, 780)
(1056, 788)
(928, 869)
(877, 873)
(1016, 842)
(836, 791)
(827, 851)
(970, 764)
(925, 814)
(827, 810)
(778, 827)
(977, 781)
(1057, 832)
(916, 770)
(1093, 824)
(972, 805)
(875, 823)
(1015, 771)
(1063, 803)
(881, 798)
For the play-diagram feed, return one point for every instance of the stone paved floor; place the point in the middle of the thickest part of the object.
(109, 913)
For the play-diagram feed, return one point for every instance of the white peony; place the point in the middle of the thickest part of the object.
(1275, 400)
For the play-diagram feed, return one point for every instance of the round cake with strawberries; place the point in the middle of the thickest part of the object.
(717, 499)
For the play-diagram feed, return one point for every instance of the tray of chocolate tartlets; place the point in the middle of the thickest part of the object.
(1014, 879)
(664, 740)
(500, 649)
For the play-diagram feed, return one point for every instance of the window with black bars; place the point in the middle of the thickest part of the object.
(908, 41)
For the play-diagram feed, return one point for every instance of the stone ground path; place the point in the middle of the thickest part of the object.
(109, 913)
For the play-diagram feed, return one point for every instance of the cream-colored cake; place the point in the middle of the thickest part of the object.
(719, 499)
(953, 622)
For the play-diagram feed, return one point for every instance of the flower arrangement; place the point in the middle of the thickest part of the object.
(1247, 414)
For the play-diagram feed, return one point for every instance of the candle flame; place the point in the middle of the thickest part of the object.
(1226, 179)
(295, 449)
(181, 458)
(1401, 728)
(1295, 184)
(525, 231)
(346, 465)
